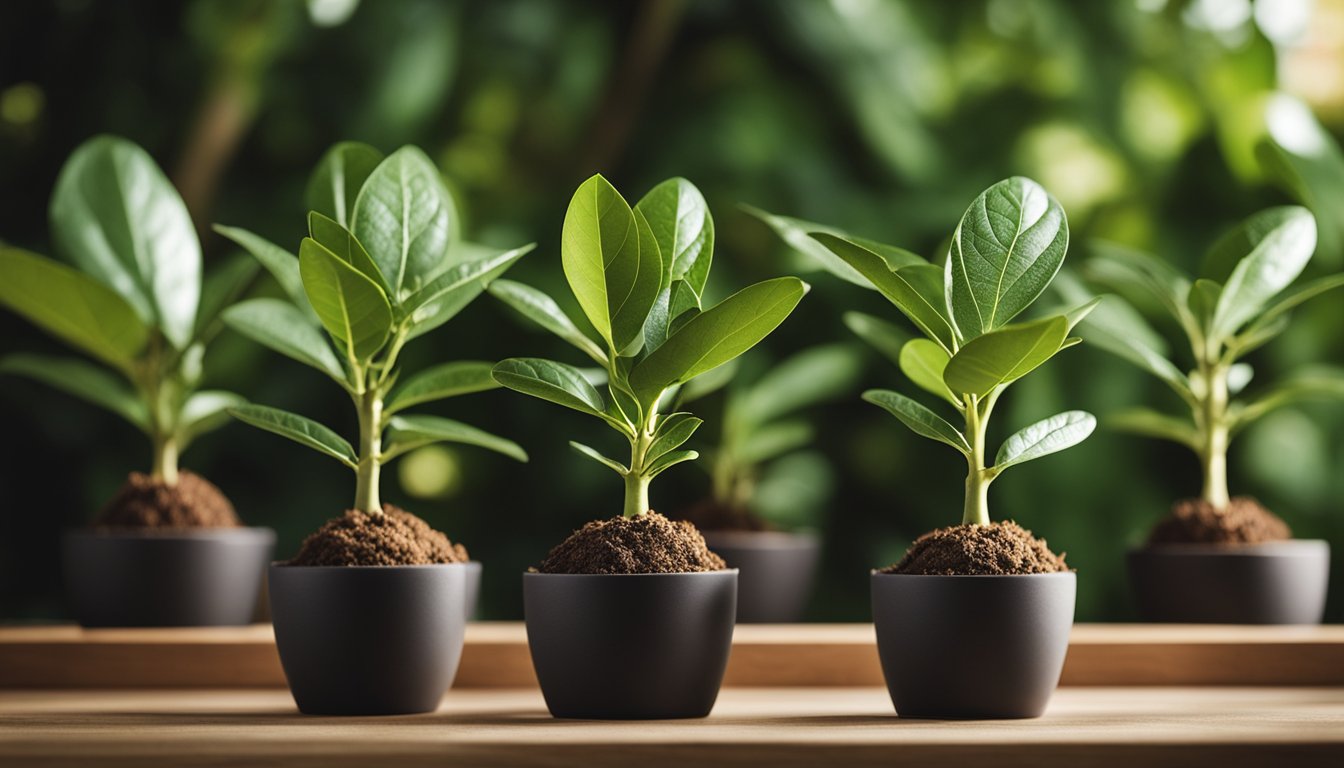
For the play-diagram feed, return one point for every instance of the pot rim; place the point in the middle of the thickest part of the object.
(1278, 548)
(1071, 574)
(700, 574)
(285, 565)
(171, 534)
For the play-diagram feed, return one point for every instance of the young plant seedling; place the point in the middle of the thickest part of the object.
(639, 276)
(1008, 247)
(1242, 299)
(381, 266)
(131, 297)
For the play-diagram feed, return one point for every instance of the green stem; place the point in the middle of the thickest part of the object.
(370, 452)
(975, 509)
(636, 494)
(165, 459)
(1214, 435)
(637, 478)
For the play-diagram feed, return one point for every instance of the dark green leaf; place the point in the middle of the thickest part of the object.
(280, 326)
(340, 241)
(443, 297)
(440, 382)
(406, 433)
(542, 310)
(222, 286)
(669, 459)
(83, 380)
(299, 429)
(559, 383)
(673, 430)
(352, 308)
(1004, 355)
(593, 454)
(283, 265)
(919, 419)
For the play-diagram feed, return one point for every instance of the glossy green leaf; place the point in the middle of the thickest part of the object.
(918, 291)
(1006, 250)
(405, 218)
(443, 297)
(440, 382)
(205, 411)
(406, 433)
(283, 265)
(222, 286)
(801, 380)
(1281, 241)
(1150, 423)
(1004, 355)
(298, 428)
(559, 383)
(342, 242)
(118, 218)
(798, 235)
(878, 333)
(919, 419)
(593, 454)
(923, 362)
(71, 306)
(673, 430)
(542, 310)
(83, 380)
(280, 326)
(669, 460)
(352, 308)
(680, 222)
(335, 183)
(1063, 430)
(716, 336)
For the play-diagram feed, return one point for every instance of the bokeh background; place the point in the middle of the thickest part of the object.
(1155, 123)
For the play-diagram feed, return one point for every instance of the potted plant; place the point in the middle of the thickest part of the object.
(974, 620)
(632, 617)
(766, 490)
(1219, 558)
(369, 615)
(168, 549)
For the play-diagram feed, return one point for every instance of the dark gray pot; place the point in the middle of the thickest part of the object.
(776, 571)
(368, 640)
(472, 593)
(179, 578)
(972, 646)
(637, 647)
(1280, 582)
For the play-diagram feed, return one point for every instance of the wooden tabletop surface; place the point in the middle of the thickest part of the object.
(850, 727)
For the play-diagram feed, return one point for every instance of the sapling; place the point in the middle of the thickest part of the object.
(639, 276)
(382, 265)
(129, 294)
(1007, 248)
(1241, 300)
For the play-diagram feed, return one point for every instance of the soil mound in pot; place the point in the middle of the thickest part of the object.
(395, 537)
(144, 502)
(997, 549)
(649, 543)
(1243, 521)
(710, 515)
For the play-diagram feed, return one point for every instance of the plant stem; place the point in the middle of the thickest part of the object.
(370, 451)
(636, 494)
(637, 478)
(975, 509)
(1214, 435)
(165, 460)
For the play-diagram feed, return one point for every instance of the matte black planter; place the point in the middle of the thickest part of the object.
(1280, 582)
(472, 594)
(637, 647)
(179, 578)
(972, 646)
(776, 571)
(368, 640)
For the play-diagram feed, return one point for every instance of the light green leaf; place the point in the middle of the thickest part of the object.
(542, 310)
(1063, 430)
(680, 222)
(1004, 355)
(71, 306)
(593, 454)
(1282, 305)
(919, 419)
(881, 335)
(280, 326)
(340, 241)
(1079, 314)
(1238, 376)
(1317, 383)
(440, 382)
(673, 430)
(798, 235)
(205, 411)
(799, 381)
(559, 383)
(1117, 328)
(1280, 241)
(716, 336)
(405, 218)
(406, 433)
(443, 297)
(83, 380)
(923, 362)
(222, 286)
(283, 265)
(352, 308)
(1128, 269)
(1006, 250)
(300, 429)
(1143, 421)
(771, 440)
(670, 459)
(116, 216)
(335, 183)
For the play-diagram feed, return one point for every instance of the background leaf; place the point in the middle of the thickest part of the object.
(406, 433)
(335, 183)
(205, 411)
(1283, 240)
(83, 380)
(878, 333)
(918, 290)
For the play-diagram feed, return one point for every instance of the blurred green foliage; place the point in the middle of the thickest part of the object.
(1156, 124)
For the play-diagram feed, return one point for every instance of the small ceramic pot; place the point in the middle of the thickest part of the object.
(1279, 582)
(368, 640)
(775, 572)
(968, 647)
(472, 596)
(630, 647)
(178, 578)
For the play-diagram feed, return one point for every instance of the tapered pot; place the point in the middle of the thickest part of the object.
(368, 640)
(630, 647)
(776, 571)
(472, 588)
(1280, 582)
(178, 578)
(972, 646)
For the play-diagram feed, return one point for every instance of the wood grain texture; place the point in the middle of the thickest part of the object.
(797, 655)
(782, 727)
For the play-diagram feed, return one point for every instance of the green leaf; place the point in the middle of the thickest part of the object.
(406, 433)
(71, 306)
(1079, 313)
(340, 241)
(1281, 241)
(283, 265)
(542, 310)
(335, 183)
(299, 429)
(919, 419)
(440, 382)
(1318, 383)
(83, 380)
(1117, 328)
(1284, 304)
(1143, 421)
(923, 362)
(352, 308)
(1004, 355)
(205, 411)
(798, 235)
(716, 336)
(280, 326)
(1202, 301)
(609, 269)
(918, 291)
(804, 379)
(405, 218)
(559, 383)
(593, 454)
(1063, 430)
(771, 440)
(668, 460)
(116, 217)
(1128, 269)
(707, 383)
(443, 297)
(222, 286)
(1006, 250)
(673, 430)
(680, 222)
(881, 335)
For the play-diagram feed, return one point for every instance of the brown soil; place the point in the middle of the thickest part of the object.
(649, 543)
(710, 515)
(394, 538)
(1243, 521)
(143, 502)
(979, 550)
